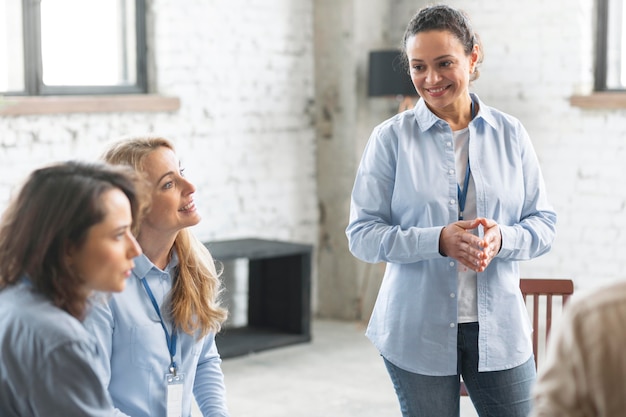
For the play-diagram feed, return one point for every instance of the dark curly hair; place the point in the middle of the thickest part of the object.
(443, 17)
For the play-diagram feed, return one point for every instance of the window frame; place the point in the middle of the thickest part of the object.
(600, 97)
(601, 56)
(33, 81)
(601, 53)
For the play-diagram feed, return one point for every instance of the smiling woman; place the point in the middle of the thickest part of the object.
(65, 235)
(166, 320)
(450, 195)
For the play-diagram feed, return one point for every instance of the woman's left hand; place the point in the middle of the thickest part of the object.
(492, 240)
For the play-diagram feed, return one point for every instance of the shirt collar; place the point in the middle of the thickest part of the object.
(143, 265)
(427, 119)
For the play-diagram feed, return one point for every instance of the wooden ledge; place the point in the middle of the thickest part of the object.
(20, 106)
(600, 100)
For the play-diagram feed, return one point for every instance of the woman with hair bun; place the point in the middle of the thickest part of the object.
(451, 197)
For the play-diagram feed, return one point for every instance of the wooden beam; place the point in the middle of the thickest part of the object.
(18, 106)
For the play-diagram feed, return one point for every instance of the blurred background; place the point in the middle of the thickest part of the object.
(269, 104)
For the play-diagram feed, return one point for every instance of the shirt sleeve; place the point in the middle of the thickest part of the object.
(534, 234)
(69, 386)
(372, 235)
(209, 388)
(100, 323)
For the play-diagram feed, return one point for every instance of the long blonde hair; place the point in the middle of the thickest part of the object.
(194, 300)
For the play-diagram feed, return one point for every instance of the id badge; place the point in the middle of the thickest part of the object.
(174, 394)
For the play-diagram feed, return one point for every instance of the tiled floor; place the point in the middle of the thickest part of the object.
(338, 374)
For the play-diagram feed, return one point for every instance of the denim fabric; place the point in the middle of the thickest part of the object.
(504, 393)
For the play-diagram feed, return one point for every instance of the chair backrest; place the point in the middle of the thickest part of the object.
(538, 290)
(541, 292)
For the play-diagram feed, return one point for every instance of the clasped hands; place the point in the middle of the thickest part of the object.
(471, 251)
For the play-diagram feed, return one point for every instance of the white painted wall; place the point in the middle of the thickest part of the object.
(243, 71)
(274, 115)
(537, 55)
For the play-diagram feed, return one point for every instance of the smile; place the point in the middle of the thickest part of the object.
(436, 90)
(188, 207)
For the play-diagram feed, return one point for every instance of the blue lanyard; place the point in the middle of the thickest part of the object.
(462, 195)
(171, 341)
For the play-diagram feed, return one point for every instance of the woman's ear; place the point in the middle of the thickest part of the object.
(474, 58)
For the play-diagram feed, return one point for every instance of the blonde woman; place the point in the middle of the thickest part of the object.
(158, 336)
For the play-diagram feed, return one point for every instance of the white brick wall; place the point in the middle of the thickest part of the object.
(243, 72)
(537, 55)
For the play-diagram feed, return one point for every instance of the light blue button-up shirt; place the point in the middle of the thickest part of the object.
(46, 368)
(404, 194)
(135, 352)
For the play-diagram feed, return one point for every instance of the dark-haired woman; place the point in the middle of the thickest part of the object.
(66, 235)
(450, 195)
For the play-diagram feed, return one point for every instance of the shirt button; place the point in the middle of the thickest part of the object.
(452, 202)
(448, 144)
(452, 295)
(451, 324)
(451, 172)
(451, 263)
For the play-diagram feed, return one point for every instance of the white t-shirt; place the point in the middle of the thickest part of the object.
(466, 284)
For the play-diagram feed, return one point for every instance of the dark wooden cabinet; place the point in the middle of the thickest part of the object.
(279, 295)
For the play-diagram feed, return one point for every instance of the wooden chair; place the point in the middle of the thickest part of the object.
(537, 290)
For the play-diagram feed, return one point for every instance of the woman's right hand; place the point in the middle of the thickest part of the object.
(456, 241)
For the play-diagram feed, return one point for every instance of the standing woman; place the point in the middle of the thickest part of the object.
(450, 195)
(65, 235)
(158, 336)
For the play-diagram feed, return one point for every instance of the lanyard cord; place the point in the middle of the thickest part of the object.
(462, 195)
(171, 341)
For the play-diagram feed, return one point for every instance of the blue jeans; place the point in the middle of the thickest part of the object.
(494, 394)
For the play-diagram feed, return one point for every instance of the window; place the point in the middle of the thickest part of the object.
(610, 72)
(57, 47)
